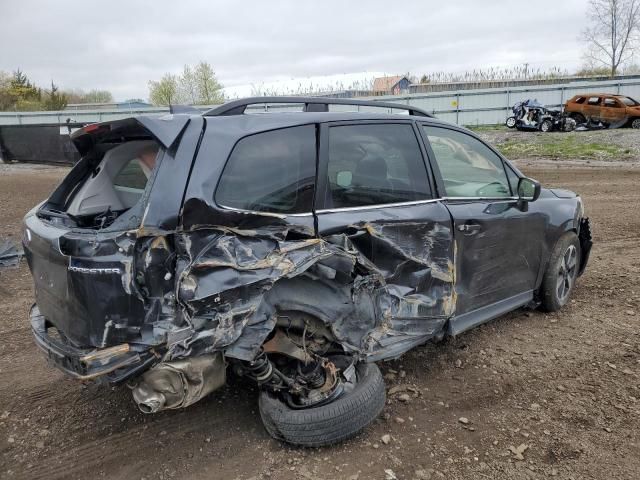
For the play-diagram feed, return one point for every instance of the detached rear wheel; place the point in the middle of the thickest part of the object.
(546, 126)
(561, 274)
(358, 405)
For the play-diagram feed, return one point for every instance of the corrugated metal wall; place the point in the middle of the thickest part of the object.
(492, 106)
(464, 107)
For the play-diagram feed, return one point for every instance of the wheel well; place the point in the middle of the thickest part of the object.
(543, 268)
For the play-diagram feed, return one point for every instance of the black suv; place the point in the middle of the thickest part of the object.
(295, 248)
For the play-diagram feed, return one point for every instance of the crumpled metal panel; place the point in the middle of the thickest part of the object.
(233, 281)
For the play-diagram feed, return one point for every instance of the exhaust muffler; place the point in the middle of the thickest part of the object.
(179, 384)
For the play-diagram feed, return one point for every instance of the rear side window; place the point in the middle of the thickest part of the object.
(271, 172)
(131, 176)
(594, 100)
(468, 167)
(578, 100)
(375, 164)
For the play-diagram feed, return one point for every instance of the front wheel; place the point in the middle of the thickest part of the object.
(511, 122)
(635, 123)
(328, 423)
(561, 274)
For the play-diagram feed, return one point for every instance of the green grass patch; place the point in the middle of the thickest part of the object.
(486, 128)
(562, 145)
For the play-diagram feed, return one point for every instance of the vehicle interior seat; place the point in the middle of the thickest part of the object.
(98, 193)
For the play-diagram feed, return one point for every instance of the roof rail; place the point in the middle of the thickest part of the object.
(311, 104)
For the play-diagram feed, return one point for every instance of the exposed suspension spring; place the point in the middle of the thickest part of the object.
(261, 368)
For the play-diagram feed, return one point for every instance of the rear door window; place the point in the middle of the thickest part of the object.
(271, 172)
(374, 164)
(611, 102)
(594, 101)
(468, 167)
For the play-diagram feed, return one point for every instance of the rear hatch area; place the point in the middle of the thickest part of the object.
(80, 242)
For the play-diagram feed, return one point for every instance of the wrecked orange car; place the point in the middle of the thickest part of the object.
(613, 111)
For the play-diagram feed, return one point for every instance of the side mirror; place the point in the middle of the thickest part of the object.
(528, 189)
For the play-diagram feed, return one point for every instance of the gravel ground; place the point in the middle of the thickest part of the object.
(627, 141)
(527, 396)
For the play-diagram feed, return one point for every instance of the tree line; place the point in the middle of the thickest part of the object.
(19, 93)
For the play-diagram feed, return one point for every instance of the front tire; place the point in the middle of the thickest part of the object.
(561, 274)
(330, 423)
(635, 123)
(511, 122)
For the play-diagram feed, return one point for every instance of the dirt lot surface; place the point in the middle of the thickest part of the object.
(530, 395)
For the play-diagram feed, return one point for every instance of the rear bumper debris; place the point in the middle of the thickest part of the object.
(118, 362)
(10, 253)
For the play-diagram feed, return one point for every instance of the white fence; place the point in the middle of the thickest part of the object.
(492, 106)
(464, 107)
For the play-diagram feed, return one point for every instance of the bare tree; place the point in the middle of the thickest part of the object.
(187, 87)
(614, 30)
(196, 85)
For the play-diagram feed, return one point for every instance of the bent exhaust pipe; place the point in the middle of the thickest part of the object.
(178, 384)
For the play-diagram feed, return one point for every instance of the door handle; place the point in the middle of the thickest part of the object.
(469, 228)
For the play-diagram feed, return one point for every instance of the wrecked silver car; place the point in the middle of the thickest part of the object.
(532, 115)
(295, 249)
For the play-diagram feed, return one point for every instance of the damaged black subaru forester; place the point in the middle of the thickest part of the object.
(291, 241)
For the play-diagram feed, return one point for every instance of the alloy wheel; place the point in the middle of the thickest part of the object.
(567, 273)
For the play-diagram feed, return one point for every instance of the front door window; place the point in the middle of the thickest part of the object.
(468, 167)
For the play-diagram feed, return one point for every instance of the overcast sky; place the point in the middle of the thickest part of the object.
(120, 45)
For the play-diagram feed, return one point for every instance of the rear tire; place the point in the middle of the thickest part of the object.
(561, 274)
(511, 122)
(546, 126)
(331, 423)
(579, 118)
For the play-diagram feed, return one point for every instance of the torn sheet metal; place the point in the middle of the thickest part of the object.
(10, 253)
(233, 281)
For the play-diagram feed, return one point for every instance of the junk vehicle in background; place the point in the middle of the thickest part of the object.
(531, 115)
(294, 249)
(612, 111)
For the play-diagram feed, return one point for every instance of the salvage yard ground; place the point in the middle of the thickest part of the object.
(530, 395)
(619, 147)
